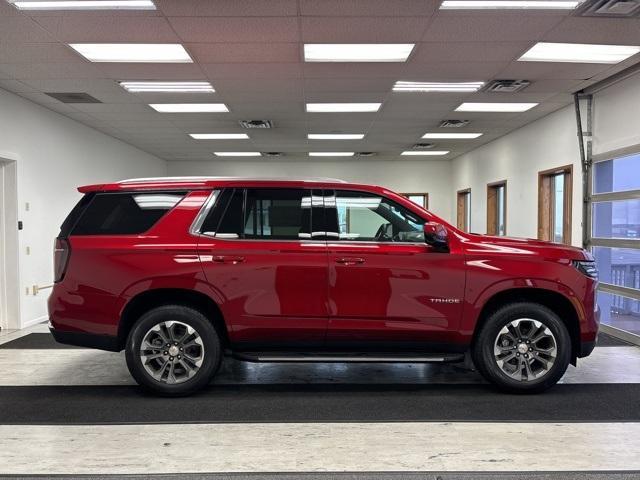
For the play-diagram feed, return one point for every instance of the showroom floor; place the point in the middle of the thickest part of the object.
(67, 410)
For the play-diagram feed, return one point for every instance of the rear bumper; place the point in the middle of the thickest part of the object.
(101, 342)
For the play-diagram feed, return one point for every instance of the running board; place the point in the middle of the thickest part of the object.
(348, 358)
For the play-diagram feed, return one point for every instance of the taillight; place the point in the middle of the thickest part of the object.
(61, 252)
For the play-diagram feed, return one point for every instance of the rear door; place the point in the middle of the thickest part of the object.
(268, 274)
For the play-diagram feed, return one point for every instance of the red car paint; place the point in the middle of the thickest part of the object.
(311, 293)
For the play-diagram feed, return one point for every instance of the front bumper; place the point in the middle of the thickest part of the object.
(80, 339)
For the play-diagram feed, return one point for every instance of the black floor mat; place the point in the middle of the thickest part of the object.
(606, 340)
(319, 403)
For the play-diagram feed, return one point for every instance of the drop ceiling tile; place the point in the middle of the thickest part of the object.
(233, 87)
(37, 53)
(51, 70)
(353, 70)
(227, 8)
(348, 85)
(625, 31)
(245, 52)
(74, 85)
(253, 71)
(468, 51)
(490, 28)
(386, 8)
(22, 29)
(236, 29)
(112, 108)
(109, 29)
(453, 71)
(16, 86)
(152, 71)
(552, 70)
(362, 29)
(344, 97)
(553, 86)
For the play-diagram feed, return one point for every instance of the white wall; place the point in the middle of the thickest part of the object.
(405, 176)
(55, 155)
(518, 157)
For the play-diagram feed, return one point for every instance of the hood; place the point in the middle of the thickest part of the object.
(516, 245)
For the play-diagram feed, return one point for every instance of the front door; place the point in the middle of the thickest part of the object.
(387, 288)
(268, 276)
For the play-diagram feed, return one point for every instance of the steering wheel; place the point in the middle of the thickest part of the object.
(382, 235)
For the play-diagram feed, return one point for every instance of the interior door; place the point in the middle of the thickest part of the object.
(387, 288)
(269, 276)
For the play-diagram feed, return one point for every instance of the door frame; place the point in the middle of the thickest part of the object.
(546, 202)
(9, 243)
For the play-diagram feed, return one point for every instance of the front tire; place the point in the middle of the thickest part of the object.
(522, 348)
(173, 350)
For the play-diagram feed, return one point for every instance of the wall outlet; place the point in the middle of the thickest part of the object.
(28, 250)
(26, 206)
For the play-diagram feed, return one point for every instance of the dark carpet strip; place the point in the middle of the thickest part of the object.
(319, 403)
(46, 341)
(355, 476)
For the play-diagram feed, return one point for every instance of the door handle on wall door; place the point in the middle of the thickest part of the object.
(350, 260)
(233, 259)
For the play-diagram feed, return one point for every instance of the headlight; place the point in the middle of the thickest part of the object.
(588, 268)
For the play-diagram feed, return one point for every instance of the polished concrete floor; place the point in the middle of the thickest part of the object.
(58, 376)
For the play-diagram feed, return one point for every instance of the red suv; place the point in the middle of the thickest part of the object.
(179, 271)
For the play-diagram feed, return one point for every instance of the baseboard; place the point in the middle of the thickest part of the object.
(35, 321)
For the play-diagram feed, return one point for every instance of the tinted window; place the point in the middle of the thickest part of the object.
(124, 213)
(368, 217)
(283, 214)
(210, 224)
(74, 215)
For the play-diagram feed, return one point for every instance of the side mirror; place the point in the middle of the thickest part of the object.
(437, 236)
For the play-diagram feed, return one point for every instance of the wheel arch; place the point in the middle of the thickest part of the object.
(551, 299)
(149, 299)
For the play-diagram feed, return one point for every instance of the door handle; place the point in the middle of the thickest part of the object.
(350, 260)
(227, 259)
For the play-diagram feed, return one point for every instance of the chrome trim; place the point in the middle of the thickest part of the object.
(196, 225)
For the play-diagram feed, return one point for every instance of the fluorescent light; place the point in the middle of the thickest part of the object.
(343, 107)
(237, 154)
(509, 4)
(133, 52)
(401, 86)
(335, 136)
(189, 107)
(171, 87)
(87, 5)
(578, 53)
(451, 135)
(219, 136)
(425, 152)
(495, 107)
(331, 154)
(357, 52)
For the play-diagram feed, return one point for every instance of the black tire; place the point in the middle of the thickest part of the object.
(483, 348)
(211, 354)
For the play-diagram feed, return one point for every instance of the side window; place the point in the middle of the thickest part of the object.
(270, 213)
(367, 217)
(124, 213)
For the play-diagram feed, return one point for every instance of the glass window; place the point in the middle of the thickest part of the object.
(617, 175)
(278, 214)
(618, 266)
(620, 312)
(124, 213)
(558, 207)
(618, 219)
(421, 199)
(500, 191)
(371, 218)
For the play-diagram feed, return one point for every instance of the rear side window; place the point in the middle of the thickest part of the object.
(124, 213)
(269, 214)
(74, 215)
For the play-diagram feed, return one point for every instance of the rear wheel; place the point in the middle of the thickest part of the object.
(523, 347)
(173, 350)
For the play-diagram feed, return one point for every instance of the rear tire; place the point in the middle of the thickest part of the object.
(522, 348)
(173, 350)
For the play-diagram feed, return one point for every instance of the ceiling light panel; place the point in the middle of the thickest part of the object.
(451, 136)
(189, 107)
(425, 152)
(401, 86)
(331, 154)
(495, 107)
(133, 52)
(237, 154)
(219, 136)
(578, 53)
(509, 4)
(357, 52)
(335, 136)
(170, 87)
(342, 107)
(86, 5)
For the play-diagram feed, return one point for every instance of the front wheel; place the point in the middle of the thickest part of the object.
(173, 350)
(522, 347)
